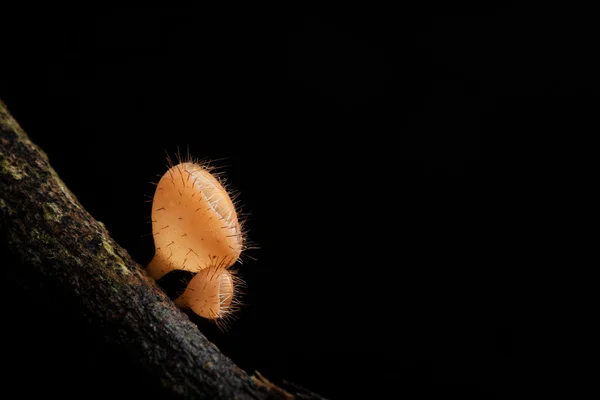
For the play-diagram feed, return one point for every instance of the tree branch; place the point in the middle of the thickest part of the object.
(53, 238)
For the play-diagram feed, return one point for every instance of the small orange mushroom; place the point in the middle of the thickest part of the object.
(194, 222)
(210, 293)
(195, 227)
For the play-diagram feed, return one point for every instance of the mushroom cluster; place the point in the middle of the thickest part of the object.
(195, 227)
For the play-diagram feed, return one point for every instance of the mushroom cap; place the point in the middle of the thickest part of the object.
(210, 293)
(194, 222)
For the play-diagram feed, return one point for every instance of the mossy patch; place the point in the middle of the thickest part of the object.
(119, 260)
(52, 212)
(14, 172)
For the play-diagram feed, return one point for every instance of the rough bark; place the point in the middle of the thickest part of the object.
(51, 237)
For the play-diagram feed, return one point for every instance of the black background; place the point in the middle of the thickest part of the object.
(355, 139)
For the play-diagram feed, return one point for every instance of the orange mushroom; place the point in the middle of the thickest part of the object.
(194, 222)
(195, 227)
(211, 293)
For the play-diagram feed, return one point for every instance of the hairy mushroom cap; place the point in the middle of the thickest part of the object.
(211, 293)
(194, 222)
